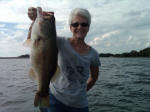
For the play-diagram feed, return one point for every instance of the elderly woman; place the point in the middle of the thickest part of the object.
(79, 66)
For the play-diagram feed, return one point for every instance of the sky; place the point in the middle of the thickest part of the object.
(117, 25)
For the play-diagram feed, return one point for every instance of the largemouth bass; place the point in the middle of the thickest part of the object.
(43, 55)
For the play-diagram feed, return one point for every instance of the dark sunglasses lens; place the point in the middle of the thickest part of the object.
(77, 24)
(84, 24)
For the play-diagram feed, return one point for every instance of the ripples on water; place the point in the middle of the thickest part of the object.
(16, 89)
(123, 86)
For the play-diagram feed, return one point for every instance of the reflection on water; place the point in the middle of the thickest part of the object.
(123, 86)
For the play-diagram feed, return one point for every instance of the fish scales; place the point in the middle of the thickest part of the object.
(43, 55)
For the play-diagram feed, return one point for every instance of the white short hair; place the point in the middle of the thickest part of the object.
(80, 12)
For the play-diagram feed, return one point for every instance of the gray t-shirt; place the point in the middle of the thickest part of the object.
(71, 87)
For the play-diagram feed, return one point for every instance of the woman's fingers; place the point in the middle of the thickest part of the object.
(46, 13)
(32, 13)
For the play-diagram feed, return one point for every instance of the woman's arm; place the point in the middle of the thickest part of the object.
(29, 32)
(94, 72)
(32, 14)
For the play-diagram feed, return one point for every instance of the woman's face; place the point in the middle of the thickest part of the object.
(79, 27)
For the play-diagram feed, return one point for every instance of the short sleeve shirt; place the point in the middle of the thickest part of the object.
(70, 88)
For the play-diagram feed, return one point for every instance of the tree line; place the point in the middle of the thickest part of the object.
(142, 53)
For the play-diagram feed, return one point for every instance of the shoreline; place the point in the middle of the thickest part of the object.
(14, 57)
(100, 57)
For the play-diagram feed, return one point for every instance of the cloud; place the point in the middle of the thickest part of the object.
(2, 25)
(13, 48)
(117, 26)
(22, 26)
(97, 40)
(11, 42)
(147, 44)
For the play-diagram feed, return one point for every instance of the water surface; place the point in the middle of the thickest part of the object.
(123, 86)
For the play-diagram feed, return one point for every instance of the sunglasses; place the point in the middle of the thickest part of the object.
(81, 24)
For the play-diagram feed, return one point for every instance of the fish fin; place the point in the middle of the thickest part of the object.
(41, 101)
(27, 43)
(32, 74)
(56, 75)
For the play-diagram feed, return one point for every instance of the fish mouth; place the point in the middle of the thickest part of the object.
(48, 17)
(44, 14)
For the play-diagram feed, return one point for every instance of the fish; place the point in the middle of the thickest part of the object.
(44, 56)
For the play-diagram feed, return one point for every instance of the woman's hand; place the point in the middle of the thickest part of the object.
(93, 77)
(46, 13)
(32, 13)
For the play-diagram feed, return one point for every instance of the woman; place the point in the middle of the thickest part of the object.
(76, 60)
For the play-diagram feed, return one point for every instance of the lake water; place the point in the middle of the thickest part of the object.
(123, 86)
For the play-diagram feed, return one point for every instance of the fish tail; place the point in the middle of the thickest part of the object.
(41, 101)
